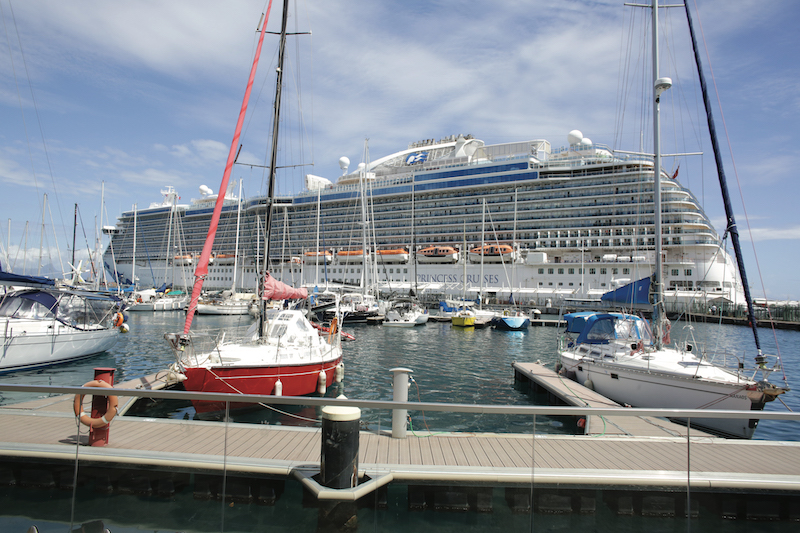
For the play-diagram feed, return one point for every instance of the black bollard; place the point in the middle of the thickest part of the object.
(339, 466)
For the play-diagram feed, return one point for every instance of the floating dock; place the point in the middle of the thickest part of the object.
(622, 455)
(564, 391)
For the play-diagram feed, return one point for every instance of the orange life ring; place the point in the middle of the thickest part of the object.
(118, 320)
(87, 420)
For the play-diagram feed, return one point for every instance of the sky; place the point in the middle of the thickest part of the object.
(130, 97)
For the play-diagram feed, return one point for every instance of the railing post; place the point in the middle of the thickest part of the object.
(400, 394)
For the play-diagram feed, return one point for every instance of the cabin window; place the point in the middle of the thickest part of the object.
(571, 271)
(541, 271)
(560, 270)
(592, 271)
(688, 272)
(626, 271)
(675, 272)
(549, 270)
(615, 271)
(603, 271)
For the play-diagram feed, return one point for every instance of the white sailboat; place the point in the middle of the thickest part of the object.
(621, 357)
(45, 324)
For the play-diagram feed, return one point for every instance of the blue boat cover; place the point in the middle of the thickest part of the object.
(577, 321)
(42, 297)
(600, 328)
(636, 294)
(8, 278)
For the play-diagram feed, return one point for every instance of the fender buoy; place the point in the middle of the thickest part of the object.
(118, 320)
(87, 420)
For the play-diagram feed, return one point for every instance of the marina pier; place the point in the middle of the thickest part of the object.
(641, 471)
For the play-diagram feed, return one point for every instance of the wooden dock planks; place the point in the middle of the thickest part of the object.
(47, 428)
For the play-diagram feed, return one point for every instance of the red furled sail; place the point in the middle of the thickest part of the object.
(202, 265)
(277, 290)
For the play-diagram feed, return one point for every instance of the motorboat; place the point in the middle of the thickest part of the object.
(405, 313)
(511, 320)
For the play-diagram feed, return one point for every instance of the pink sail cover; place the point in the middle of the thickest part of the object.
(277, 290)
(202, 265)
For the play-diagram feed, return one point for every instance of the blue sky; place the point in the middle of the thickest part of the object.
(141, 95)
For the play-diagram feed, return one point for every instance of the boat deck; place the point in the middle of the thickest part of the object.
(633, 453)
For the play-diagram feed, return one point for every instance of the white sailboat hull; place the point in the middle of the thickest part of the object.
(657, 389)
(35, 343)
(237, 308)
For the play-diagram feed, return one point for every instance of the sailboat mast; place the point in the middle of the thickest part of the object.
(726, 199)
(41, 237)
(483, 254)
(658, 289)
(169, 253)
(236, 245)
(275, 124)
(133, 268)
(74, 232)
(317, 251)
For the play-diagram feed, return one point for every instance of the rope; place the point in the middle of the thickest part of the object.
(275, 409)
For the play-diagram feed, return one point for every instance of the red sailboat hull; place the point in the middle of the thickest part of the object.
(298, 380)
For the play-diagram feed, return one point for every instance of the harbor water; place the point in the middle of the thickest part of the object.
(450, 365)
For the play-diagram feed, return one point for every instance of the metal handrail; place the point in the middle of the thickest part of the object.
(414, 406)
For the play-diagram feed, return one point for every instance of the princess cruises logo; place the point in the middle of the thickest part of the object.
(413, 159)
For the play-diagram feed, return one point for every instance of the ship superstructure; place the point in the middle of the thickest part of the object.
(579, 220)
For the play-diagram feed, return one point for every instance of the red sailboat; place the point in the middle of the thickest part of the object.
(282, 355)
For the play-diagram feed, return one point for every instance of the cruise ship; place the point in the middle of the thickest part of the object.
(572, 222)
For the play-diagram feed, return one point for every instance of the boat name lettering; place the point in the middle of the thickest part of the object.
(488, 279)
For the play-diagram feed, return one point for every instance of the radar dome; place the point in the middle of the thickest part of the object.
(362, 166)
(344, 162)
(574, 137)
(205, 190)
(586, 141)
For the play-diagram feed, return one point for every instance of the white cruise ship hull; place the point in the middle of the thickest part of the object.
(578, 219)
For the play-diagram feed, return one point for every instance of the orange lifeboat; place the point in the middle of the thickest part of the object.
(492, 253)
(318, 257)
(398, 255)
(350, 256)
(438, 254)
(183, 260)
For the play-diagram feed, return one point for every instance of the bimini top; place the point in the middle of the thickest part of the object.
(601, 328)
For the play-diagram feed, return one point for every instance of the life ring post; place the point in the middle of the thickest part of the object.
(98, 436)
